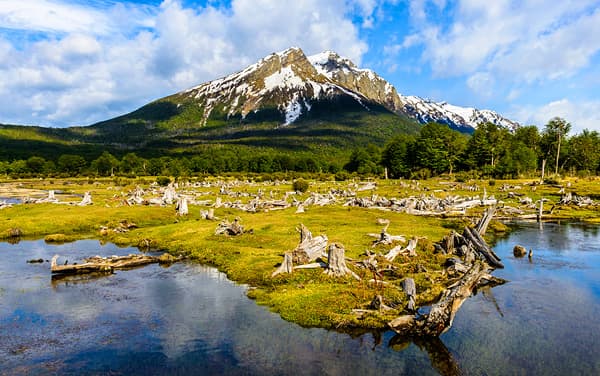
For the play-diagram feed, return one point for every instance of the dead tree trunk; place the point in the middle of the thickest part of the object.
(480, 246)
(408, 285)
(309, 248)
(227, 228)
(337, 263)
(286, 266)
(398, 250)
(441, 316)
(485, 220)
(182, 207)
(87, 199)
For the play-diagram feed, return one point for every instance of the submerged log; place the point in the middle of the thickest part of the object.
(309, 248)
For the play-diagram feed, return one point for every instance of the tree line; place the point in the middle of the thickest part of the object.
(491, 151)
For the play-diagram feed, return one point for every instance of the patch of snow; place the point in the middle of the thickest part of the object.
(293, 111)
(285, 78)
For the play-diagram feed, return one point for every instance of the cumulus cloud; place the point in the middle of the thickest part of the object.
(581, 115)
(94, 62)
(528, 40)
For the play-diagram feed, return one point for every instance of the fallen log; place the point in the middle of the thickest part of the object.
(441, 316)
(481, 247)
(485, 220)
(102, 264)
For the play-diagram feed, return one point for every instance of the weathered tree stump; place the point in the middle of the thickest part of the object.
(87, 199)
(14, 232)
(309, 248)
(337, 263)
(228, 228)
(408, 285)
(182, 207)
(286, 266)
(208, 214)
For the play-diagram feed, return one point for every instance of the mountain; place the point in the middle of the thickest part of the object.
(289, 87)
(320, 104)
(368, 83)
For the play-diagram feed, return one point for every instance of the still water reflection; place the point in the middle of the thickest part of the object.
(189, 319)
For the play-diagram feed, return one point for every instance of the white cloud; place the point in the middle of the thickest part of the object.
(581, 115)
(481, 83)
(98, 62)
(528, 40)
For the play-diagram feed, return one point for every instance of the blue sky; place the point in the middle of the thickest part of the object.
(75, 62)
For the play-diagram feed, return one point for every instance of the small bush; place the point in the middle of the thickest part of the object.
(300, 185)
(342, 175)
(163, 181)
(491, 183)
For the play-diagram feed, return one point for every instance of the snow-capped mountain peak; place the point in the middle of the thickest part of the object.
(291, 82)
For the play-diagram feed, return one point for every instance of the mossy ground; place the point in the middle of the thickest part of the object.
(307, 297)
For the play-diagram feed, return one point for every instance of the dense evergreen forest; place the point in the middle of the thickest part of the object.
(491, 152)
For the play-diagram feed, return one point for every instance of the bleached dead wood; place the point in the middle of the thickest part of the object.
(336, 262)
(208, 214)
(228, 228)
(408, 285)
(441, 316)
(286, 266)
(484, 222)
(87, 199)
(182, 206)
(309, 248)
(410, 250)
(106, 264)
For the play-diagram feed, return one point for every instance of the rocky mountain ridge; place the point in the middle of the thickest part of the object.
(291, 82)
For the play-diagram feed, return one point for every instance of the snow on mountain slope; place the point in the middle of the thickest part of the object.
(291, 82)
(374, 87)
(284, 80)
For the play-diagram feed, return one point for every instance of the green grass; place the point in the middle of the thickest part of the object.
(307, 297)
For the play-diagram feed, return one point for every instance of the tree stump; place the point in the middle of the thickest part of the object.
(337, 262)
(286, 266)
(182, 206)
(309, 248)
(87, 199)
(408, 285)
(227, 228)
